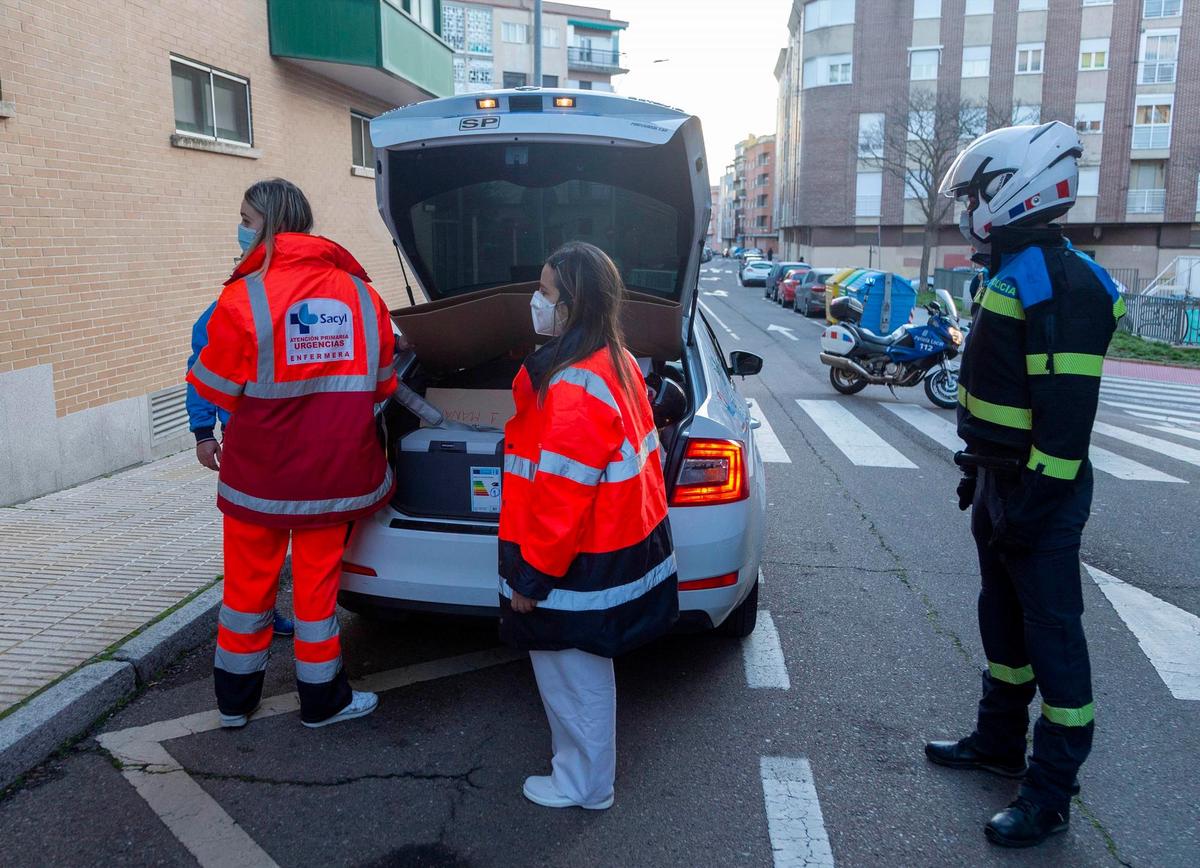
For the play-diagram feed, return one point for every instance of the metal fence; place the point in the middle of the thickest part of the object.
(955, 282)
(1130, 278)
(1174, 320)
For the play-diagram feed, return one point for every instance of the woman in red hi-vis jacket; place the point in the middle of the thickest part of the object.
(302, 348)
(587, 565)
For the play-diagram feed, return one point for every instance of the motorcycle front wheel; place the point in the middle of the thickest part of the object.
(846, 382)
(941, 387)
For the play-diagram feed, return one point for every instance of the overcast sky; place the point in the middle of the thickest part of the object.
(718, 63)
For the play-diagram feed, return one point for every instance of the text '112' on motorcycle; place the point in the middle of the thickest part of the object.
(912, 354)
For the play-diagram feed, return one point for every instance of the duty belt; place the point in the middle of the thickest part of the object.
(987, 462)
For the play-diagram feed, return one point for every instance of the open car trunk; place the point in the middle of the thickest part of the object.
(478, 190)
(452, 472)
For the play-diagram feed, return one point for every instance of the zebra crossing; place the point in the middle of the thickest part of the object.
(865, 440)
(1171, 403)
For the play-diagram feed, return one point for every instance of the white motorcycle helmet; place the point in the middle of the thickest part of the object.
(1014, 176)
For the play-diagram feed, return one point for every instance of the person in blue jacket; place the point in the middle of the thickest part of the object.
(203, 416)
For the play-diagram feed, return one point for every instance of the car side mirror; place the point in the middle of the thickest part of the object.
(742, 364)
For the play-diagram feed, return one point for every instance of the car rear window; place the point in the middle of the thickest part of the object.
(489, 215)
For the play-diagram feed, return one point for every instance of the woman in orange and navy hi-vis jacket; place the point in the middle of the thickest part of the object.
(587, 565)
(302, 348)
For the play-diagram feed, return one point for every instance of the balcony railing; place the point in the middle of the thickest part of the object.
(1146, 202)
(1151, 136)
(578, 57)
(1158, 72)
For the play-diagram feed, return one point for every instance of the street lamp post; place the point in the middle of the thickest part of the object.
(537, 43)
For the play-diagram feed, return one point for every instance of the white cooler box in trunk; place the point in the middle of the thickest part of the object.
(450, 473)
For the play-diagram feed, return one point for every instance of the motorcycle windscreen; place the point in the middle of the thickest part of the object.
(478, 216)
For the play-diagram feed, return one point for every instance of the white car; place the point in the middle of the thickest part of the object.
(477, 190)
(755, 272)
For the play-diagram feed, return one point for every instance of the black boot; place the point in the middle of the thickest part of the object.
(1024, 824)
(962, 754)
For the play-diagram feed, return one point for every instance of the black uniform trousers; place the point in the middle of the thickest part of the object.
(1030, 608)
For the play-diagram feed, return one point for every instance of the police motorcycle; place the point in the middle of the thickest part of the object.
(912, 354)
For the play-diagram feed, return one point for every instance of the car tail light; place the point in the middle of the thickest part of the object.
(713, 472)
(359, 569)
(818, 287)
(725, 581)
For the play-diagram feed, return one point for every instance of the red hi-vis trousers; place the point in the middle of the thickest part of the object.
(254, 556)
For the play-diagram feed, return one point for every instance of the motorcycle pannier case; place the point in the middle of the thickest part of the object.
(846, 308)
(450, 473)
(838, 340)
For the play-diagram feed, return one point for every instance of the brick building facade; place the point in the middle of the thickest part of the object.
(1111, 68)
(118, 227)
(747, 201)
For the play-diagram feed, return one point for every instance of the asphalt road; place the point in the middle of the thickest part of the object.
(870, 586)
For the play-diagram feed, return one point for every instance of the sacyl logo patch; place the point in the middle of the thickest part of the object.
(319, 330)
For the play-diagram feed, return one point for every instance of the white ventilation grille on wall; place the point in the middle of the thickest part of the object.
(168, 413)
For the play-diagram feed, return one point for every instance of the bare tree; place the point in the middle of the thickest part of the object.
(917, 146)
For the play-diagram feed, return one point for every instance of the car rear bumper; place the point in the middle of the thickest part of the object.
(455, 573)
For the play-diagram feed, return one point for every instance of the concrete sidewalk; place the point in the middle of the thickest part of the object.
(81, 569)
(1151, 371)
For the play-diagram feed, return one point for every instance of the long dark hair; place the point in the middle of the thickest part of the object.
(590, 286)
(284, 208)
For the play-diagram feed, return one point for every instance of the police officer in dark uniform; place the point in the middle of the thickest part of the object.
(1028, 390)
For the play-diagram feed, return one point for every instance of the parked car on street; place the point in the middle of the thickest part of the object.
(754, 272)
(776, 274)
(450, 191)
(810, 295)
(785, 293)
(748, 252)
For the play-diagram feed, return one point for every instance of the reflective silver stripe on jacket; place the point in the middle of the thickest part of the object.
(589, 601)
(632, 464)
(590, 381)
(385, 373)
(264, 330)
(370, 323)
(318, 673)
(317, 631)
(305, 507)
(240, 664)
(518, 466)
(245, 623)
(215, 381)
(313, 386)
(568, 468)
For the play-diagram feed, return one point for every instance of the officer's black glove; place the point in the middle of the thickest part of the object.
(1027, 511)
(966, 490)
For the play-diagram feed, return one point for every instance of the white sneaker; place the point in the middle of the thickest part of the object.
(540, 790)
(236, 721)
(361, 704)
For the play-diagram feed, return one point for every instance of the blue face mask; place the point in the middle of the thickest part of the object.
(246, 237)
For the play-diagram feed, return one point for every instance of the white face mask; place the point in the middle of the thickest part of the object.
(548, 320)
(964, 226)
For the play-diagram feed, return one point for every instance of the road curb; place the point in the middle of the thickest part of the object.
(61, 713)
(68, 709)
(179, 632)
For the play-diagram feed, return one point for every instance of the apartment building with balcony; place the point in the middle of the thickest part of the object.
(493, 45)
(123, 161)
(755, 182)
(1111, 68)
(726, 208)
(712, 236)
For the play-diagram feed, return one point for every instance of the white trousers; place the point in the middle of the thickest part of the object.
(579, 692)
